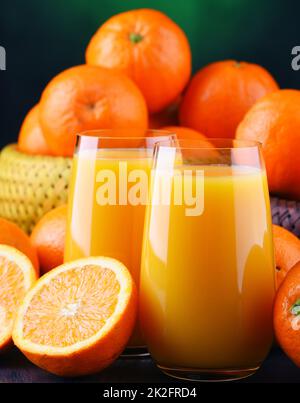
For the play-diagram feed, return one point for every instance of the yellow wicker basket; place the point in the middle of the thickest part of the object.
(31, 185)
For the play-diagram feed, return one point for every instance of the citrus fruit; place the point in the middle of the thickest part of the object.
(185, 133)
(150, 48)
(275, 122)
(287, 314)
(48, 237)
(194, 146)
(12, 235)
(287, 252)
(17, 275)
(31, 138)
(77, 318)
(31, 185)
(220, 94)
(85, 98)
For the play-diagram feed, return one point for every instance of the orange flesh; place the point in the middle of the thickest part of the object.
(72, 306)
(11, 291)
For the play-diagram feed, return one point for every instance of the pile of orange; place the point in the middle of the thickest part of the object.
(137, 75)
(134, 77)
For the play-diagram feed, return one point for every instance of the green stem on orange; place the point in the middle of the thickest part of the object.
(135, 38)
(295, 309)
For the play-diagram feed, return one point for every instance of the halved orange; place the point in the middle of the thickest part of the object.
(77, 318)
(17, 275)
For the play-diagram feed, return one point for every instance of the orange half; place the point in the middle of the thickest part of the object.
(77, 318)
(17, 275)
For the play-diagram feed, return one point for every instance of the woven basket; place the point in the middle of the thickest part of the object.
(286, 213)
(31, 185)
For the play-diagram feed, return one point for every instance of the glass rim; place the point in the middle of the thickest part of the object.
(100, 134)
(217, 143)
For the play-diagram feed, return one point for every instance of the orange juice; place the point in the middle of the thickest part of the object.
(115, 229)
(207, 281)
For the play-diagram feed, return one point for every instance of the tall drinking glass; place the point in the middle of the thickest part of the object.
(207, 279)
(108, 194)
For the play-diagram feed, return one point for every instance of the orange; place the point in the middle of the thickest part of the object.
(220, 94)
(275, 122)
(166, 117)
(31, 138)
(17, 275)
(77, 318)
(195, 147)
(12, 235)
(287, 252)
(185, 133)
(150, 48)
(86, 98)
(287, 315)
(48, 237)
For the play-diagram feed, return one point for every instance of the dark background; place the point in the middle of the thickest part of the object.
(43, 37)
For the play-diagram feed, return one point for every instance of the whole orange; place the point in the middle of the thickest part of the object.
(287, 252)
(275, 122)
(287, 314)
(220, 94)
(31, 138)
(185, 133)
(194, 146)
(85, 98)
(12, 235)
(48, 237)
(150, 48)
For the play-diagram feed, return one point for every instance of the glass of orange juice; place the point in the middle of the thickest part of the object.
(107, 199)
(207, 278)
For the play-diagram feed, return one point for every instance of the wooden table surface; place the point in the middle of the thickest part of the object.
(15, 368)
